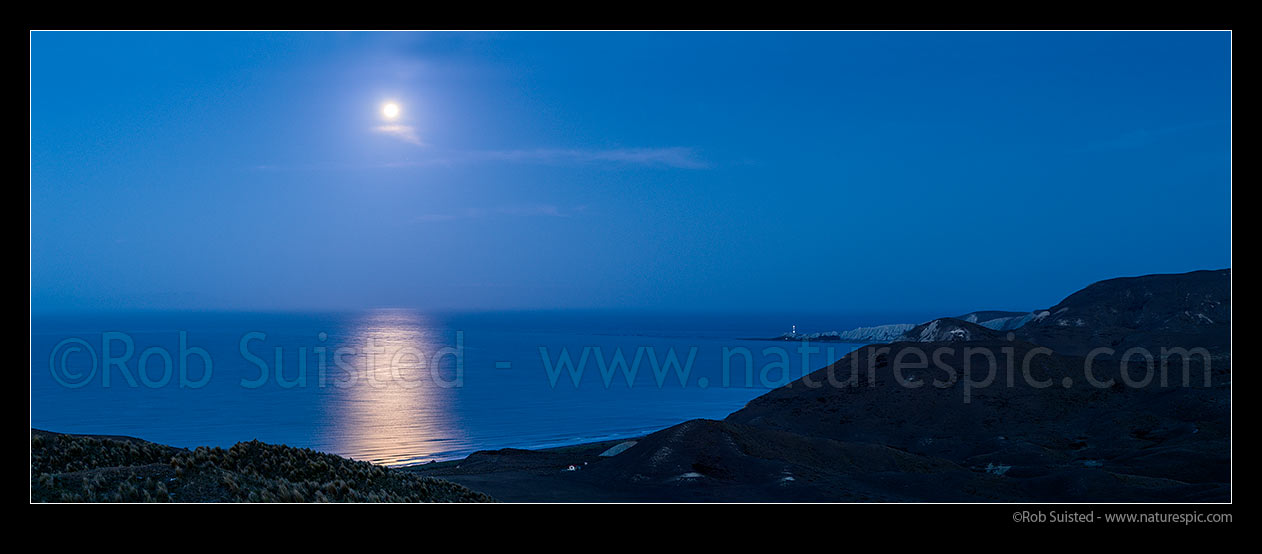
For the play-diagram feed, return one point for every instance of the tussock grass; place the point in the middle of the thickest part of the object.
(68, 468)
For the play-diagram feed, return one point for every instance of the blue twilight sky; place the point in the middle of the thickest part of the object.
(707, 171)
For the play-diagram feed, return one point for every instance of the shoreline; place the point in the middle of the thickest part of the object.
(617, 438)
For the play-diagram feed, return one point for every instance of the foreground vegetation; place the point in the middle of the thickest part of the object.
(70, 468)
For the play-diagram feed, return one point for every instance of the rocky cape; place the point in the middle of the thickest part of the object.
(885, 423)
(890, 332)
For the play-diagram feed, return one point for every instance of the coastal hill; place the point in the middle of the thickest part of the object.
(1117, 313)
(997, 320)
(939, 432)
(1185, 310)
(948, 329)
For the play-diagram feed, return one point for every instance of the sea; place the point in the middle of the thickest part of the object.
(402, 386)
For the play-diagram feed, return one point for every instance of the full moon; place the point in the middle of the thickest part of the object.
(390, 110)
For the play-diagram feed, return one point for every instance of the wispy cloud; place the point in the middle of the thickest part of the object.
(405, 133)
(674, 156)
(520, 210)
(678, 157)
(671, 157)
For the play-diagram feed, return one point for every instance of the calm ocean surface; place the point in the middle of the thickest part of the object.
(401, 386)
